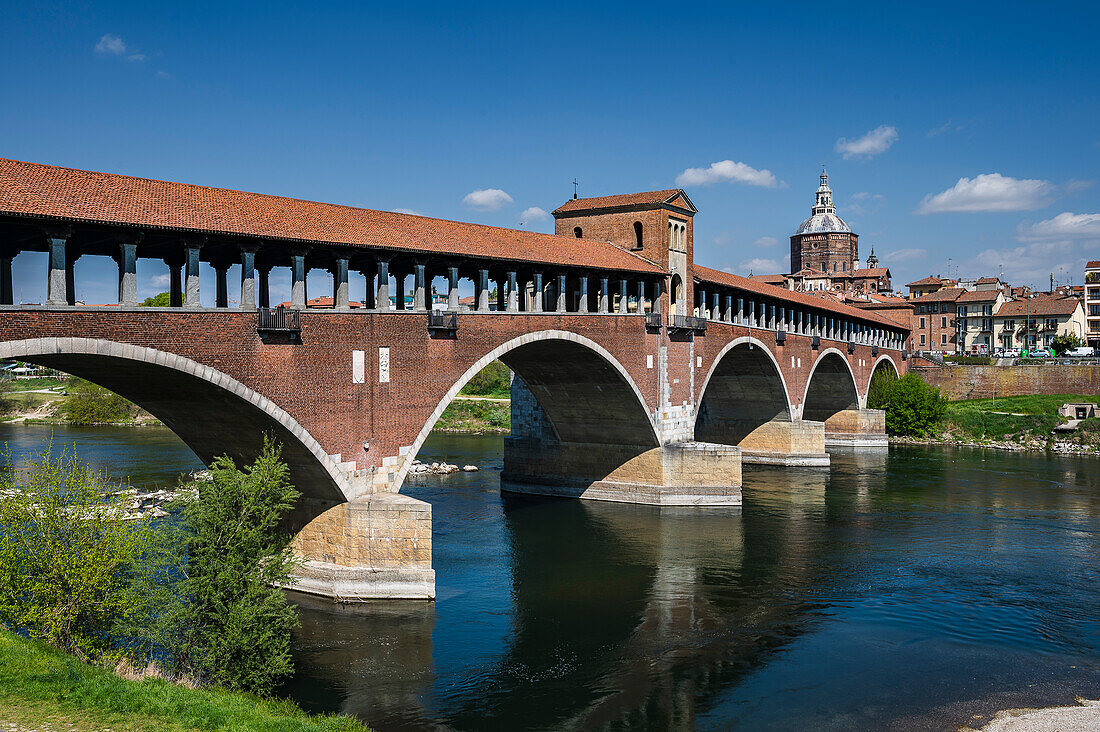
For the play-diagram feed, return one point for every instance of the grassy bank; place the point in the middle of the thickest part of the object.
(66, 401)
(41, 686)
(1025, 420)
(475, 416)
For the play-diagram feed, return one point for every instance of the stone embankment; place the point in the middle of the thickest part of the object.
(1030, 445)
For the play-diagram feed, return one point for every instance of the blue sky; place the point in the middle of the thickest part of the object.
(961, 131)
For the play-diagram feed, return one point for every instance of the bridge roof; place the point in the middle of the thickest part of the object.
(706, 274)
(81, 196)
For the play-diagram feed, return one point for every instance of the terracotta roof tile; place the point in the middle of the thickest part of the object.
(979, 296)
(1039, 306)
(987, 281)
(1093, 265)
(871, 272)
(625, 199)
(706, 274)
(31, 189)
(926, 281)
(947, 294)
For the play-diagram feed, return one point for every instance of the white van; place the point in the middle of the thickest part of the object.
(1081, 352)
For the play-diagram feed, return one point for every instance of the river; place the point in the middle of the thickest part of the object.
(921, 589)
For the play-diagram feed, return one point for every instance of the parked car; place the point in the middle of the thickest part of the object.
(1011, 353)
(1081, 352)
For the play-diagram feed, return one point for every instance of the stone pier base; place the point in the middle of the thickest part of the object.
(376, 548)
(795, 443)
(681, 474)
(857, 428)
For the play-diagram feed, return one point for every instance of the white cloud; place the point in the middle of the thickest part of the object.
(533, 213)
(136, 57)
(1065, 226)
(110, 45)
(1031, 263)
(865, 202)
(874, 142)
(903, 255)
(947, 126)
(990, 192)
(762, 266)
(487, 199)
(727, 171)
(410, 211)
(161, 280)
(765, 241)
(866, 196)
(162, 74)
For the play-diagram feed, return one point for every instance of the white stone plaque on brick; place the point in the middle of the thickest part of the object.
(383, 365)
(358, 367)
(649, 361)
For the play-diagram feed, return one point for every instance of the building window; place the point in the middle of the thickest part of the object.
(943, 321)
(577, 232)
(922, 324)
(943, 339)
(637, 234)
(922, 339)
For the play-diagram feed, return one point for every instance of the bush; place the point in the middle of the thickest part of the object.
(67, 554)
(87, 403)
(7, 403)
(161, 300)
(912, 407)
(1065, 342)
(494, 380)
(224, 621)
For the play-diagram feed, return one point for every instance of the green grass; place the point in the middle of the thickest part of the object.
(470, 415)
(40, 382)
(39, 685)
(979, 419)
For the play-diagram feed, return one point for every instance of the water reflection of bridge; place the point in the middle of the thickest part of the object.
(675, 605)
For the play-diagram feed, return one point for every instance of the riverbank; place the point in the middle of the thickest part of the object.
(471, 415)
(67, 401)
(43, 688)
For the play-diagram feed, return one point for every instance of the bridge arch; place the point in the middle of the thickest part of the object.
(213, 413)
(744, 389)
(879, 363)
(830, 387)
(567, 373)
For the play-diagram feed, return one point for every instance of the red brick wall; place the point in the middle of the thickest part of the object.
(978, 382)
(934, 329)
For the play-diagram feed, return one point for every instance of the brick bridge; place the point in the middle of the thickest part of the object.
(631, 385)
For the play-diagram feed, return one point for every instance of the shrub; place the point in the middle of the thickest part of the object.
(7, 403)
(912, 407)
(87, 403)
(493, 380)
(224, 621)
(1065, 342)
(66, 553)
(161, 300)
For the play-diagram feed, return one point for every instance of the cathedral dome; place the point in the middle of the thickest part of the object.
(823, 222)
(823, 218)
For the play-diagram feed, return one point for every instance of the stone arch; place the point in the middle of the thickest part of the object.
(210, 411)
(744, 389)
(830, 387)
(578, 372)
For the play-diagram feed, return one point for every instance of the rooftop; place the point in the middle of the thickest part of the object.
(947, 294)
(80, 196)
(979, 296)
(930, 280)
(1039, 306)
(647, 198)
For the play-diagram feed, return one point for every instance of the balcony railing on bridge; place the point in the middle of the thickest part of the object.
(442, 320)
(653, 320)
(279, 320)
(691, 323)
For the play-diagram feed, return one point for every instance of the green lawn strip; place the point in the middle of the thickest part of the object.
(37, 679)
(35, 383)
(999, 419)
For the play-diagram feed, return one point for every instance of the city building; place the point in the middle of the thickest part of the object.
(928, 285)
(1092, 303)
(974, 310)
(934, 320)
(1035, 321)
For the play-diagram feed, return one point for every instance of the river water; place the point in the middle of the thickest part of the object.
(922, 589)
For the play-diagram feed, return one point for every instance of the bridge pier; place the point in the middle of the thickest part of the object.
(856, 428)
(793, 443)
(375, 548)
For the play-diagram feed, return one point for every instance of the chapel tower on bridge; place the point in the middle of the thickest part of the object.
(824, 242)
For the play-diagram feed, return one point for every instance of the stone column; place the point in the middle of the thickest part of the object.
(715, 312)
(582, 287)
(536, 300)
(623, 309)
(263, 293)
(399, 276)
(502, 292)
(248, 278)
(298, 273)
(513, 296)
(452, 288)
(605, 295)
(420, 287)
(57, 292)
(482, 295)
(657, 300)
(728, 315)
(740, 311)
(559, 296)
(191, 273)
(7, 291)
(340, 295)
(382, 291)
(70, 275)
(127, 273)
(703, 305)
(221, 297)
(641, 297)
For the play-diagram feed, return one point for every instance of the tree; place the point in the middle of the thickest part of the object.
(7, 404)
(88, 403)
(493, 380)
(912, 407)
(67, 553)
(1065, 342)
(161, 300)
(225, 621)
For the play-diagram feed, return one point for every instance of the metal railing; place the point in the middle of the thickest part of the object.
(688, 322)
(653, 320)
(442, 320)
(279, 320)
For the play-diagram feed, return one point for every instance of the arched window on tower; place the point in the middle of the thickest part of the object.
(637, 234)
(676, 293)
(577, 232)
